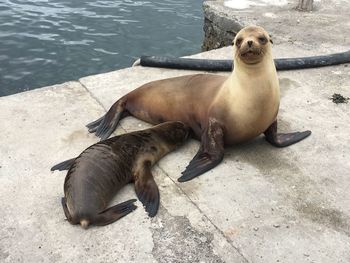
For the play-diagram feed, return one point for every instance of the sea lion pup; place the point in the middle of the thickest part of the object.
(101, 170)
(219, 110)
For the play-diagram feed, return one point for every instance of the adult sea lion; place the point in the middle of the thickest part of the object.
(219, 110)
(101, 170)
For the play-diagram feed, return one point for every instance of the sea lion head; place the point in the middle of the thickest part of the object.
(251, 44)
(173, 132)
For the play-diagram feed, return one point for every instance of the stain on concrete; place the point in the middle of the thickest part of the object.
(175, 240)
(76, 135)
(330, 217)
(338, 98)
(286, 84)
(3, 254)
(299, 190)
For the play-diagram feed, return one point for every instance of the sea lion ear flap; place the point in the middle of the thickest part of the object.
(270, 39)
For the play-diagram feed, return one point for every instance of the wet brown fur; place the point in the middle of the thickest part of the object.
(182, 98)
(102, 169)
(238, 102)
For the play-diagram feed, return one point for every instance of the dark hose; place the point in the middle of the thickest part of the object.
(226, 65)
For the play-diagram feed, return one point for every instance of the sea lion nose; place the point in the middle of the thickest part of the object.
(250, 43)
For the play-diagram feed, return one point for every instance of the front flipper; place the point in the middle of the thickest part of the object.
(209, 154)
(146, 189)
(114, 213)
(283, 139)
(65, 165)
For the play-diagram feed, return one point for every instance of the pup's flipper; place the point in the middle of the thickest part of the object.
(284, 139)
(65, 165)
(114, 213)
(147, 190)
(209, 154)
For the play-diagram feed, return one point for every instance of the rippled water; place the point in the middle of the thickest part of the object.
(45, 42)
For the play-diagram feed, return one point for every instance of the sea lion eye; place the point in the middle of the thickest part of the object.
(262, 40)
(239, 42)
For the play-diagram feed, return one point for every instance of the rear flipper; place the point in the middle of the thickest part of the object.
(65, 165)
(66, 212)
(147, 189)
(283, 139)
(92, 126)
(105, 126)
(114, 213)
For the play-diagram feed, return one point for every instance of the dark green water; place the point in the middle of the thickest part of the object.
(44, 42)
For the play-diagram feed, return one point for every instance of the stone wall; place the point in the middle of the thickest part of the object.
(219, 27)
(280, 18)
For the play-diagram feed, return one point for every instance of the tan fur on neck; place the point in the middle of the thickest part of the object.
(251, 94)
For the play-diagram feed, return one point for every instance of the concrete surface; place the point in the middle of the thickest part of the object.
(223, 18)
(261, 204)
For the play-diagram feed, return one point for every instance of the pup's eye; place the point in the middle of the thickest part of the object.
(262, 40)
(239, 41)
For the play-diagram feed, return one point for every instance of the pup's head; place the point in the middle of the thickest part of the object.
(251, 44)
(175, 133)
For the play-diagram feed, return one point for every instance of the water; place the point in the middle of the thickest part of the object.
(44, 42)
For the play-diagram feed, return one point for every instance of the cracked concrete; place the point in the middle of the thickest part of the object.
(175, 240)
(261, 204)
